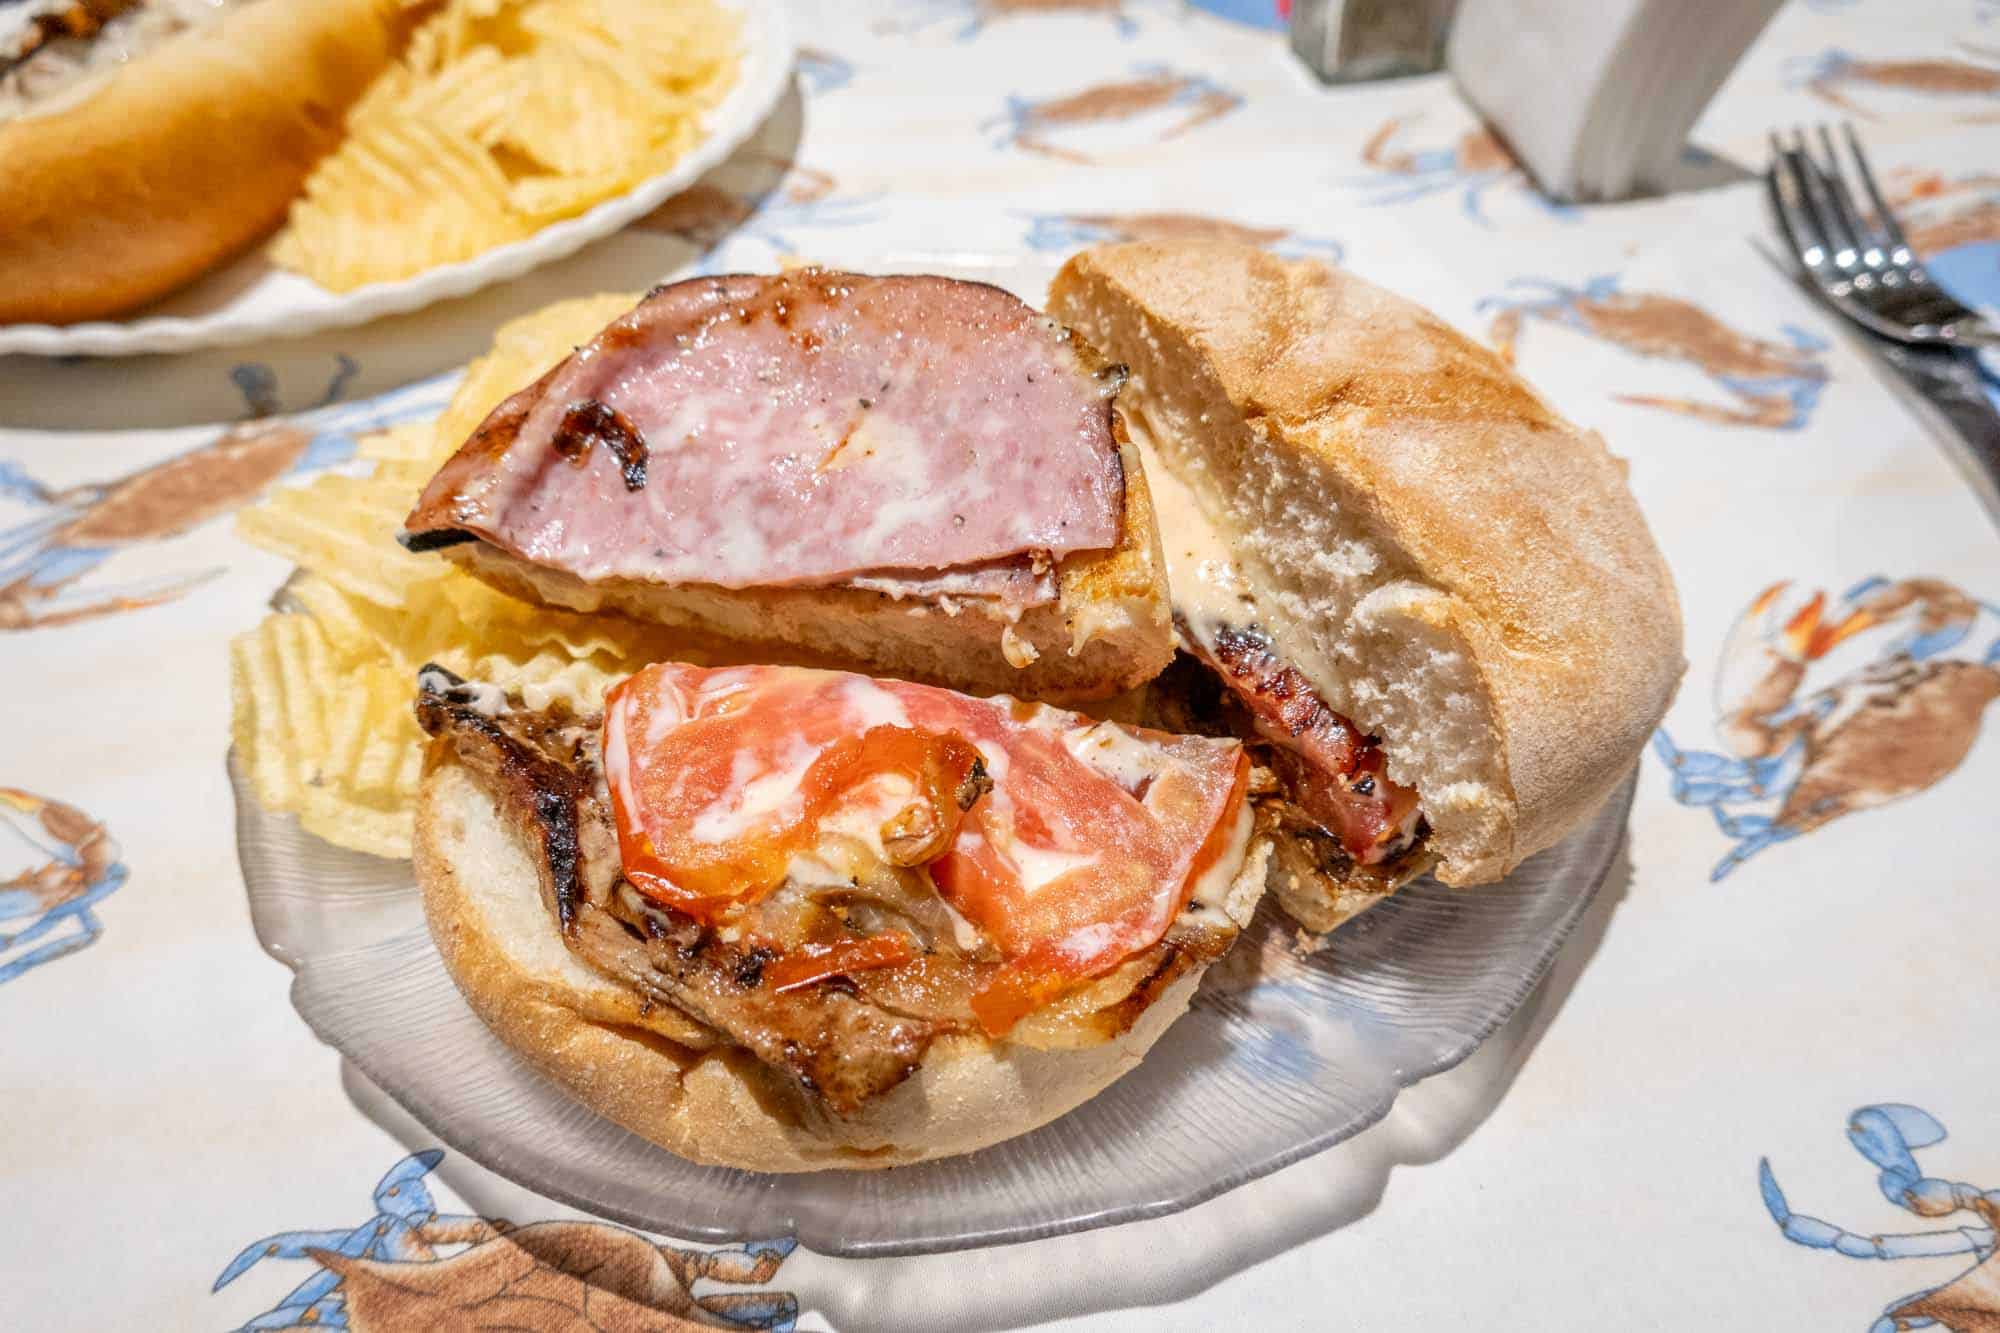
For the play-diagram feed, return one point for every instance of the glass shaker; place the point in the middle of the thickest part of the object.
(1350, 41)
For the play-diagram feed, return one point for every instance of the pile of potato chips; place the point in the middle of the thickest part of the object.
(323, 691)
(502, 117)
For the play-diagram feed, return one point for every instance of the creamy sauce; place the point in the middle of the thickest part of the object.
(864, 810)
(1114, 752)
(1205, 582)
(1211, 887)
(752, 797)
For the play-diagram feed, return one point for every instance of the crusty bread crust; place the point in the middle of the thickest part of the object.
(1478, 536)
(588, 1034)
(182, 159)
(1109, 629)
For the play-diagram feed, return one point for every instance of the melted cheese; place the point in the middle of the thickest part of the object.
(867, 808)
(1115, 752)
(67, 71)
(1211, 895)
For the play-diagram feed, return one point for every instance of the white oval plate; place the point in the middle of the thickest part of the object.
(1279, 1058)
(252, 299)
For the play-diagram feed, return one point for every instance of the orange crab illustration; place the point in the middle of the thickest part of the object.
(48, 559)
(1837, 77)
(975, 16)
(1155, 105)
(722, 207)
(1828, 707)
(389, 1274)
(1771, 384)
(1065, 231)
(42, 559)
(1474, 163)
(1942, 212)
(71, 866)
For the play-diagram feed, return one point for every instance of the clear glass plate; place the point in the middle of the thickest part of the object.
(1279, 1058)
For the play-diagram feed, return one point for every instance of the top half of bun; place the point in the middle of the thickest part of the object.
(1455, 566)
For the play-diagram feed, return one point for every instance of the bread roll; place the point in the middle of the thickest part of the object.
(150, 174)
(1455, 568)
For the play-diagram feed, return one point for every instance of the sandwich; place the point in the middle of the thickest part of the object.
(853, 892)
(910, 475)
(143, 142)
(1428, 603)
(784, 919)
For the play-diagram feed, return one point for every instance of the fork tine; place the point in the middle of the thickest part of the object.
(1802, 219)
(1842, 198)
(1819, 198)
(1782, 190)
(1885, 220)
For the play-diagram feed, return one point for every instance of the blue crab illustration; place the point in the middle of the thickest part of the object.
(74, 867)
(1889, 1136)
(1833, 75)
(1067, 231)
(1474, 163)
(1179, 102)
(1773, 385)
(387, 1273)
(1827, 708)
(46, 558)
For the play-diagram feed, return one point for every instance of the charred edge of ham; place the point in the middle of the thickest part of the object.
(587, 422)
(437, 539)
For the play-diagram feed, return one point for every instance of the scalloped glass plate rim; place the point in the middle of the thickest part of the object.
(300, 307)
(1599, 838)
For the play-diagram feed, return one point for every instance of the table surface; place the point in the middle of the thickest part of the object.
(1793, 963)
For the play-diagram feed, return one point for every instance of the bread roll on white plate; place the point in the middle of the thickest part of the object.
(139, 152)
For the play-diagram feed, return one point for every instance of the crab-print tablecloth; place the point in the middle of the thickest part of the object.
(1761, 1088)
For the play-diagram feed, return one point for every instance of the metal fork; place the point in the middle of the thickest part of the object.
(1863, 264)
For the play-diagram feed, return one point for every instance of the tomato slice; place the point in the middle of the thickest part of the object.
(838, 958)
(713, 809)
(1072, 844)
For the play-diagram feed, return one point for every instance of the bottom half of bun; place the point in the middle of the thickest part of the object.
(718, 1105)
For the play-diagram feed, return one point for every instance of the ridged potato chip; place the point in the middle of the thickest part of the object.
(502, 117)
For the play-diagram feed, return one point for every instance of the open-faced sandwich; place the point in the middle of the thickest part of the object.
(906, 474)
(786, 919)
(1394, 614)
